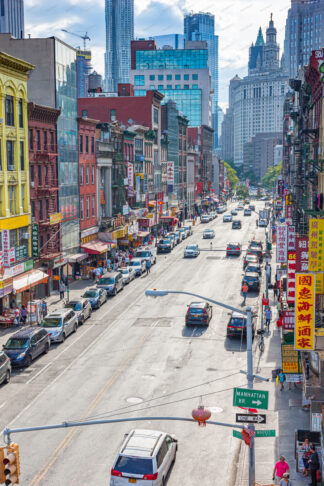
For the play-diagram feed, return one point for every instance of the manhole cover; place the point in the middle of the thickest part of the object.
(215, 409)
(134, 400)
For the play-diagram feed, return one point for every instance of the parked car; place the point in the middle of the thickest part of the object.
(204, 218)
(165, 246)
(236, 326)
(250, 259)
(96, 297)
(234, 212)
(233, 249)
(252, 280)
(199, 313)
(26, 345)
(112, 282)
(208, 234)
(247, 212)
(178, 237)
(239, 208)
(138, 265)
(147, 254)
(59, 324)
(144, 458)
(236, 224)
(255, 251)
(182, 233)
(81, 307)
(253, 267)
(5, 368)
(175, 237)
(227, 218)
(128, 274)
(256, 244)
(189, 229)
(191, 251)
(263, 223)
(172, 240)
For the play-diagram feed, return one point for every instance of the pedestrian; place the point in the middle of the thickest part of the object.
(16, 316)
(306, 456)
(281, 467)
(44, 308)
(282, 379)
(285, 481)
(61, 289)
(275, 290)
(314, 465)
(23, 314)
(148, 266)
(245, 289)
(268, 317)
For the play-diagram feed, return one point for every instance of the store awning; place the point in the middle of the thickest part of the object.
(29, 279)
(77, 257)
(95, 247)
(142, 234)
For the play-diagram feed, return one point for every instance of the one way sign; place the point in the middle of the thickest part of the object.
(251, 418)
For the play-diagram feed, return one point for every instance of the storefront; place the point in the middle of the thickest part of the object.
(76, 262)
(96, 255)
(6, 313)
(29, 286)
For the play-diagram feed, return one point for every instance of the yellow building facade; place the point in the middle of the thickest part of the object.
(14, 167)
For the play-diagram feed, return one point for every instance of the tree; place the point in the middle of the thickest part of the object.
(242, 191)
(231, 176)
(271, 177)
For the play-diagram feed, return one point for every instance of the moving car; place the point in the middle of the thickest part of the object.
(227, 218)
(236, 326)
(252, 280)
(220, 210)
(59, 324)
(233, 249)
(252, 207)
(236, 224)
(26, 345)
(81, 307)
(199, 313)
(96, 297)
(144, 458)
(208, 234)
(250, 259)
(239, 208)
(263, 223)
(147, 254)
(165, 246)
(234, 212)
(112, 282)
(191, 251)
(138, 265)
(247, 212)
(5, 368)
(204, 218)
(128, 274)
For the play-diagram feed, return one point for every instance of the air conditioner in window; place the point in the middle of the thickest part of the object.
(25, 236)
(32, 184)
(11, 167)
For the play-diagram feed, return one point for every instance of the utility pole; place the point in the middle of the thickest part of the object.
(156, 223)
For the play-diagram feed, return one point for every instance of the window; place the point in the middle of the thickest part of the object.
(40, 210)
(10, 155)
(52, 141)
(92, 145)
(32, 174)
(156, 115)
(152, 77)
(81, 208)
(88, 207)
(152, 86)
(87, 144)
(9, 105)
(195, 77)
(21, 113)
(93, 205)
(22, 156)
(169, 86)
(81, 175)
(139, 80)
(45, 141)
(31, 141)
(169, 77)
(113, 115)
(87, 174)
(186, 77)
(32, 206)
(160, 77)
(84, 113)
(139, 92)
(178, 77)
(195, 86)
(38, 140)
(160, 86)
(81, 144)
(47, 208)
(22, 193)
(186, 86)
(39, 174)
(177, 86)
(92, 174)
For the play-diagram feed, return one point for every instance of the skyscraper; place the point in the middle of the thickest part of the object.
(304, 33)
(201, 26)
(176, 41)
(119, 16)
(12, 18)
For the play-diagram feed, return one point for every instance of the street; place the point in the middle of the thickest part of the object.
(134, 357)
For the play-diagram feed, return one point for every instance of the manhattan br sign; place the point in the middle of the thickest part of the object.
(250, 398)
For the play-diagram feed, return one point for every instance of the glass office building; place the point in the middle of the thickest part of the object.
(188, 102)
(172, 59)
(176, 41)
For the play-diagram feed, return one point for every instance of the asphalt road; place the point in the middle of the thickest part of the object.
(135, 357)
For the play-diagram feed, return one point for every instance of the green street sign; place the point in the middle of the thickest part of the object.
(265, 433)
(237, 434)
(250, 398)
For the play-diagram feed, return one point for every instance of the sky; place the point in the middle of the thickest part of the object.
(237, 23)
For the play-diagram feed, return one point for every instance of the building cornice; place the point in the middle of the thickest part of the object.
(14, 64)
(41, 113)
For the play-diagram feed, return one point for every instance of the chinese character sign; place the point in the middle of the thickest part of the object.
(301, 254)
(281, 243)
(281, 186)
(35, 247)
(291, 276)
(288, 319)
(130, 173)
(170, 173)
(291, 238)
(305, 311)
(316, 240)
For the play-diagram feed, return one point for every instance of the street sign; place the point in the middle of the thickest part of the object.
(251, 418)
(250, 398)
(265, 433)
(237, 434)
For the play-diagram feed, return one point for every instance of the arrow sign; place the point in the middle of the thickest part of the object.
(250, 398)
(251, 418)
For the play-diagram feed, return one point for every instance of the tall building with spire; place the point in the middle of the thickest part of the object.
(119, 17)
(257, 99)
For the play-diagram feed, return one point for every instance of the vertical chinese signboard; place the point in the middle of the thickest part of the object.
(35, 247)
(288, 320)
(305, 311)
(170, 175)
(290, 359)
(291, 277)
(316, 239)
(301, 254)
(291, 238)
(281, 243)
(281, 186)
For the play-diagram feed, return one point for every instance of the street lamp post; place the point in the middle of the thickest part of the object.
(249, 374)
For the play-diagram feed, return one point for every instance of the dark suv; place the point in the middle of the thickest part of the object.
(199, 313)
(252, 280)
(236, 326)
(26, 345)
(164, 246)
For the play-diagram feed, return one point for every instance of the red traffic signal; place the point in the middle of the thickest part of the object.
(10, 467)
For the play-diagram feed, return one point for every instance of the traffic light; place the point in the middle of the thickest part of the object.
(10, 464)
(2, 466)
